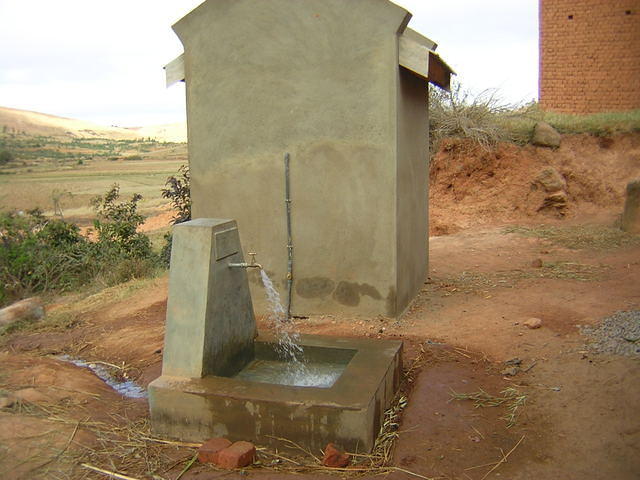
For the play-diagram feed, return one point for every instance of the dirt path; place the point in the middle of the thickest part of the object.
(579, 421)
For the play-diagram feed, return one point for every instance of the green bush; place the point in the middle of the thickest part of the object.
(5, 157)
(178, 191)
(117, 225)
(40, 254)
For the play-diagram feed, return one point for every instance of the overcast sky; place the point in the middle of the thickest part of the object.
(102, 61)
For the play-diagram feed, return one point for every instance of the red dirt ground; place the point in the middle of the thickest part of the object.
(580, 420)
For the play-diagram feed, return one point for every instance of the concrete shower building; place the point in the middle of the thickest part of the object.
(340, 85)
(589, 55)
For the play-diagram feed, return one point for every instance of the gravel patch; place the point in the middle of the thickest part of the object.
(618, 334)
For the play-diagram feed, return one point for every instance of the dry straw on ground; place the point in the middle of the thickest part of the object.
(511, 398)
(127, 450)
(592, 237)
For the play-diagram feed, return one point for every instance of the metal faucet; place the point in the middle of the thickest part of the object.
(251, 264)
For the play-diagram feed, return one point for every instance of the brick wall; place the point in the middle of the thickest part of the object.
(589, 55)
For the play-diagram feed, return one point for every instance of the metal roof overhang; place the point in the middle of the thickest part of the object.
(417, 54)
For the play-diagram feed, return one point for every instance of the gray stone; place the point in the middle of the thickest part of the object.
(631, 215)
(27, 309)
(544, 135)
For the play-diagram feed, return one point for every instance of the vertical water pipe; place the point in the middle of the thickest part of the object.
(287, 201)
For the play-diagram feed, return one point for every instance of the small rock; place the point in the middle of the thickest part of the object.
(335, 458)
(631, 215)
(544, 135)
(510, 372)
(238, 455)
(537, 263)
(7, 400)
(533, 323)
(516, 362)
(208, 452)
(27, 309)
(551, 180)
(557, 200)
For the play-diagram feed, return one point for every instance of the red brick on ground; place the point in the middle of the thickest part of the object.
(333, 457)
(238, 455)
(209, 450)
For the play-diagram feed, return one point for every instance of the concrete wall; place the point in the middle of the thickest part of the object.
(589, 55)
(318, 79)
(412, 186)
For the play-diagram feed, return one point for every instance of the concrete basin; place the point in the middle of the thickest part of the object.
(348, 411)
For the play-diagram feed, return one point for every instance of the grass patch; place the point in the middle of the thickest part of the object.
(511, 398)
(56, 322)
(600, 124)
(92, 298)
(580, 237)
(483, 283)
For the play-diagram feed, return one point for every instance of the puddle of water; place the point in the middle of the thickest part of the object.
(127, 388)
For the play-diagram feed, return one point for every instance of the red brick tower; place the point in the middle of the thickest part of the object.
(589, 55)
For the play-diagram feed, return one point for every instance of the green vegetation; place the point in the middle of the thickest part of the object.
(41, 255)
(117, 225)
(178, 191)
(47, 252)
(601, 124)
(5, 157)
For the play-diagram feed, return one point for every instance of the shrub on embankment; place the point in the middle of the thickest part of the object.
(487, 120)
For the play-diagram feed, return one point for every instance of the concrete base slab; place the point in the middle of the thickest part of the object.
(348, 413)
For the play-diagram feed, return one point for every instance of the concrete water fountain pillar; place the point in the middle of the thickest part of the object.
(210, 343)
(210, 327)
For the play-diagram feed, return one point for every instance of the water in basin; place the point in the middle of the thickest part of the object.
(308, 374)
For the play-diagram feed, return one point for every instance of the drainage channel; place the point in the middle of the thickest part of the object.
(127, 388)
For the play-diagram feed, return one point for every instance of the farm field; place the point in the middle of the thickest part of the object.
(62, 174)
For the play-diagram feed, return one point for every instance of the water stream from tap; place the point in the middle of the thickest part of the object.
(288, 347)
